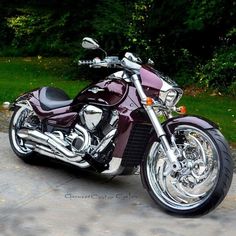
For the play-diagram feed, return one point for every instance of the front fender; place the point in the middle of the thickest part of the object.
(197, 121)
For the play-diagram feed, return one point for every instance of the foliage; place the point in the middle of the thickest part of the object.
(121, 24)
(136, 30)
(202, 13)
(220, 71)
(49, 28)
(27, 25)
(186, 39)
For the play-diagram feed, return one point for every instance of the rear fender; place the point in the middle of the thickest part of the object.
(25, 98)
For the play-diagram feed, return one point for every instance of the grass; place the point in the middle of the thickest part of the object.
(18, 75)
(220, 109)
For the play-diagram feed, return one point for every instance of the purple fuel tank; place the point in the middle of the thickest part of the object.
(107, 93)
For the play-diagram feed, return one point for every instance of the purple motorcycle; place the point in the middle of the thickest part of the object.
(113, 127)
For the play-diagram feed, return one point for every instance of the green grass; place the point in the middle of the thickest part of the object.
(220, 109)
(18, 75)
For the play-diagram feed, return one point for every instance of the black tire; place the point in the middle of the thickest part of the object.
(219, 190)
(27, 156)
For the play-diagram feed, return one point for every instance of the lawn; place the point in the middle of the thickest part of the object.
(220, 109)
(18, 75)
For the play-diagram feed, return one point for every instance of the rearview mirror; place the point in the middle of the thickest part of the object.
(90, 43)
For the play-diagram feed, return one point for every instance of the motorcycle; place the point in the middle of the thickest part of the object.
(114, 127)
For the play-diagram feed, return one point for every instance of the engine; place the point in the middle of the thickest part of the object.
(93, 135)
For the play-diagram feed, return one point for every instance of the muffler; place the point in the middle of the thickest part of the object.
(47, 151)
(54, 143)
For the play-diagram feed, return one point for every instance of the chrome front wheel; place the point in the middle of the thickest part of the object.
(204, 178)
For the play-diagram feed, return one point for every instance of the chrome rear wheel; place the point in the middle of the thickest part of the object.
(18, 121)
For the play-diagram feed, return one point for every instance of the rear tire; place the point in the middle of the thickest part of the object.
(213, 145)
(17, 144)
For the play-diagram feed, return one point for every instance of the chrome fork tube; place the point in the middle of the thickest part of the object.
(156, 124)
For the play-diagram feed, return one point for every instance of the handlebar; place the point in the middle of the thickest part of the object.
(85, 62)
(110, 61)
(128, 63)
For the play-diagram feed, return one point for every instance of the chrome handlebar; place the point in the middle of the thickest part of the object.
(85, 62)
(129, 63)
(110, 62)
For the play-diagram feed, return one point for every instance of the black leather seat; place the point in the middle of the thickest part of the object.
(52, 98)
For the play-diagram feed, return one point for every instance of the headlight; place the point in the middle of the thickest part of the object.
(172, 97)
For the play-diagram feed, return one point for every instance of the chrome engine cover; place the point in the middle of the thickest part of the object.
(79, 140)
(90, 116)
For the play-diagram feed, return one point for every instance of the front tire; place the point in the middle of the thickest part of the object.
(205, 176)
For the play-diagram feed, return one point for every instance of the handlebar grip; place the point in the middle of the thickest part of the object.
(85, 62)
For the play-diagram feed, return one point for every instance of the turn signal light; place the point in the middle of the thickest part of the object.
(182, 110)
(149, 101)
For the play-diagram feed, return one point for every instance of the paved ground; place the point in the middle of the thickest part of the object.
(52, 199)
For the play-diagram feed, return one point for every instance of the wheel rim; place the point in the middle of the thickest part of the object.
(17, 122)
(198, 176)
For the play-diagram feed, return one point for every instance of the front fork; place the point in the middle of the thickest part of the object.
(173, 158)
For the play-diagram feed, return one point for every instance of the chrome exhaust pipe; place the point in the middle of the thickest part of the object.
(42, 144)
(46, 151)
(40, 138)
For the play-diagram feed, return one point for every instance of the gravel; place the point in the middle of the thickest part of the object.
(4, 120)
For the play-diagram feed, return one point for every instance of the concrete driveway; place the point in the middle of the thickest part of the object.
(53, 199)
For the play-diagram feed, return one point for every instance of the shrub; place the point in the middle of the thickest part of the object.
(220, 71)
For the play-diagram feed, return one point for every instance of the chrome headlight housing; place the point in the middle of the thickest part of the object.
(171, 97)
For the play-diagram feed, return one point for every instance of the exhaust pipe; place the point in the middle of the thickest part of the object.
(55, 143)
(46, 145)
(46, 151)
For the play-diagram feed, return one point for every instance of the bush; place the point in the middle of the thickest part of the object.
(220, 71)
(232, 89)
